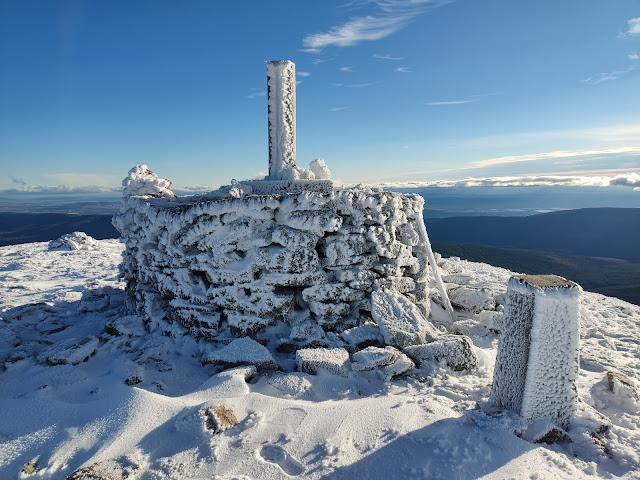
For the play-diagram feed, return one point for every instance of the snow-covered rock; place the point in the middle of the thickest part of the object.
(454, 350)
(472, 299)
(400, 321)
(242, 351)
(320, 169)
(205, 264)
(388, 361)
(367, 335)
(373, 357)
(142, 181)
(538, 351)
(73, 351)
(74, 241)
(333, 360)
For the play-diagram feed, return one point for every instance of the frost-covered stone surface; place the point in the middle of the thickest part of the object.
(538, 352)
(142, 181)
(456, 351)
(74, 241)
(333, 360)
(222, 264)
(401, 322)
(242, 351)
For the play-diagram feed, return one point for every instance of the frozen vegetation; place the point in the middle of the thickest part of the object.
(89, 388)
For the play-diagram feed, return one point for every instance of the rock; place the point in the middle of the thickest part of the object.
(400, 321)
(242, 351)
(74, 241)
(333, 360)
(472, 299)
(455, 350)
(614, 378)
(367, 335)
(133, 380)
(31, 467)
(544, 431)
(320, 169)
(401, 365)
(142, 181)
(219, 418)
(624, 388)
(469, 327)
(121, 468)
(373, 357)
(97, 299)
(73, 351)
(388, 361)
(491, 319)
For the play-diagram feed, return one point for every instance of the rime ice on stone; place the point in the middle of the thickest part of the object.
(537, 362)
(281, 92)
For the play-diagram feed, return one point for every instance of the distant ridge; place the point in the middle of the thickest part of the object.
(42, 227)
(592, 232)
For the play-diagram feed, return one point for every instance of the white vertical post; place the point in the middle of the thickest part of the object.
(281, 91)
(538, 351)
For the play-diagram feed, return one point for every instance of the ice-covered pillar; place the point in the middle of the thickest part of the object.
(538, 350)
(281, 92)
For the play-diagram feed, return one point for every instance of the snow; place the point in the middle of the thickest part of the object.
(73, 241)
(422, 424)
(142, 181)
(320, 169)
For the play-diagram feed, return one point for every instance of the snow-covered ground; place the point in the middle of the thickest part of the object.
(84, 388)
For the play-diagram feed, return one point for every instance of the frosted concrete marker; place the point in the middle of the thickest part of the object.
(538, 351)
(281, 107)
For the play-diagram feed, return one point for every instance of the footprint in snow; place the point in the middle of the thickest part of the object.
(277, 455)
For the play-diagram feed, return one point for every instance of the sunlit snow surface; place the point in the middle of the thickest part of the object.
(54, 306)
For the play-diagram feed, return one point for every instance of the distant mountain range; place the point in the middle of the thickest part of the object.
(599, 248)
(42, 227)
(593, 232)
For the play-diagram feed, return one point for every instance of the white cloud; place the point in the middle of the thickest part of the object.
(63, 189)
(633, 56)
(386, 57)
(76, 179)
(634, 26)
(390, 16)
(607, 76)
(623, 179)
(303, 74)
(360, 85)
(402, 69)
(256, 92)
(453, 102)
(554, 155)
(346, 69)
(337, 109)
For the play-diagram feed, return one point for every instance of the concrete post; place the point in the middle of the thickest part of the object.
(281, 91)
(538, 350)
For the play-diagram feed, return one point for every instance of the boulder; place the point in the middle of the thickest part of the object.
(333, 360)
(400, 321)
(455, 350)
(242, 351)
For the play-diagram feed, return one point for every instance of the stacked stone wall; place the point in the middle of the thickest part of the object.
(243, 264)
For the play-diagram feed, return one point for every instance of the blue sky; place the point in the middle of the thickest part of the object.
(390, 90)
